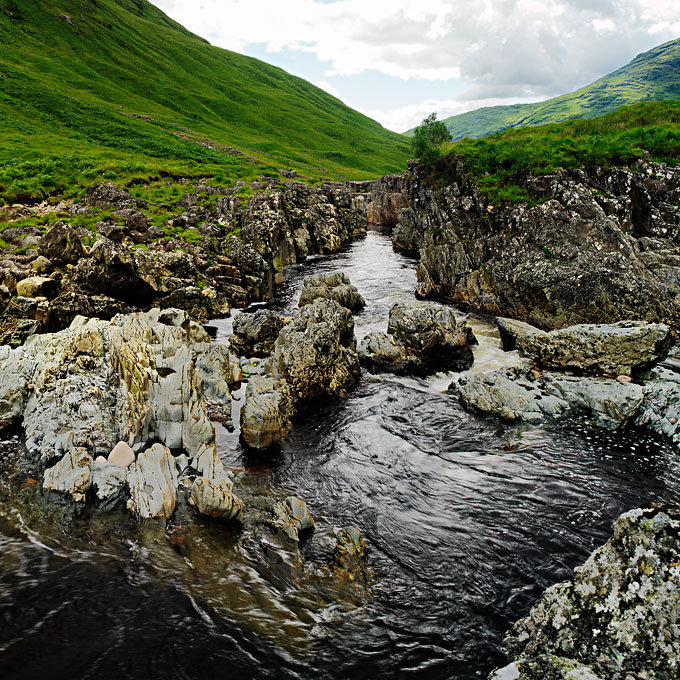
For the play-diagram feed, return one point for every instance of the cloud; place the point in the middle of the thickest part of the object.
(503, 50)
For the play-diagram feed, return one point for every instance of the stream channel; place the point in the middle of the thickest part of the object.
(467, 521)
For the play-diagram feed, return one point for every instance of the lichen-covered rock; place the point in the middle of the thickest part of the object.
(108, 195)
(619, 616)
(600, 245)
(153, 482)
(267, 413)
(349, 561)
(291, 518)
(37, 286)
(109, 483)
(514, 394)
(22, 318)
(71, 476)
(421, 339)
(214, 498)
(511, 331)
(548, 667)
(255, 333)
(621, 348)
(316, 353)
(62, 245)
(335, 286)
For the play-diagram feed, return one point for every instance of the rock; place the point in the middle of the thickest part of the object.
(545, 668)
(121, 455)
(62, 245)
(98, 383)
(215, 498)
(107, 195)
(514, 395)
(512, 330)
(37, 286)
(255, 334)
(41, 265)
(290, 518)
(620, 349)
(349, 558)
(617, 619)
(299, 514)
(71, 476)
(316, 353)
(336, 287)
(68, 305)
(153, 483)
(267, 412)
(200, 305)
(422, 339)
(22, 318)
(109, 483)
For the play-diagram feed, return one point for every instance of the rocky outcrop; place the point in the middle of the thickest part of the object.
(421, 339)
(137, 380)
(600, 245)
(62, 245)
(255, 333)
(335, 286)
(618, 618)
(266, 417)
(389, 197)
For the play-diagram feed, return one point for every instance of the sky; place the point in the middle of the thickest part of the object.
(399, 60)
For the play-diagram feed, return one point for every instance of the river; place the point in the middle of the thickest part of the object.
(466, 522)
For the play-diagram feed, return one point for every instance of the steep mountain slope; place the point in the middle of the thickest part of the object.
(651, 76)
(117, 79)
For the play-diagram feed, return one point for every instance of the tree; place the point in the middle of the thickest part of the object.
(428, 138)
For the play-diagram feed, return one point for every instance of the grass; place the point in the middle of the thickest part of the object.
(499, 163)
(651, 76)
(114, 89)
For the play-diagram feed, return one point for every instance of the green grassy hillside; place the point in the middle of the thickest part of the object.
(498, 163)
(114, 88)
(652, 76)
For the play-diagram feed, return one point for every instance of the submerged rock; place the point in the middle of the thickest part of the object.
(421, 339)
(349, 559)
(618, 618)
(336, 286)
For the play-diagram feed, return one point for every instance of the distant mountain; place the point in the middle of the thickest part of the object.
(651, 76)
(109, 79)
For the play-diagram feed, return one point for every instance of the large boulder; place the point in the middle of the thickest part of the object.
(421, 339)
(255, 333)
(37, 286)
(316, 353)
(620, 348)
(516, 394)
(336, 286)
(62, 245)
(618, 618)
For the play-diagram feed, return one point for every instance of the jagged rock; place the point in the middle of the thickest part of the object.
(201, 305)
(37, 286)
(153, 483)
(97, 383)
(389, 197)
(62, 245)
(619, 615)
(255, 334)
(620, 349)
(514, 394)
(113, 232)
(598, 247)
(22, 318)
(548, 667)
(422, 339)
(291, 518)
(109, 483)
(134, 219)
(71, 476)
(336, 286)
(68, 305)
(267, 412)
(316, 353)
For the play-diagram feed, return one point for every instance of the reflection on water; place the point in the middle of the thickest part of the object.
(466, 522)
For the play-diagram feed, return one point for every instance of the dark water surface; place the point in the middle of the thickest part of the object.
(466, 522)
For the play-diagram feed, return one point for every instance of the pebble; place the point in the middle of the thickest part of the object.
(624, 379)
(122, 455)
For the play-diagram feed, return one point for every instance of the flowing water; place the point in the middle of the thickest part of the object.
(466, 522)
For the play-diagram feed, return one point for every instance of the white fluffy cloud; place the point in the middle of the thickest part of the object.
(501, 50)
